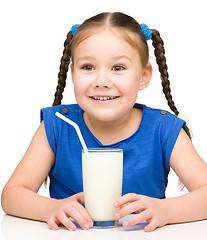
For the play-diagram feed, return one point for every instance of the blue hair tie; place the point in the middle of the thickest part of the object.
(74, 28)
(146, 31)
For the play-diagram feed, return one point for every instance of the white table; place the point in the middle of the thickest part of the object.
(13, 228)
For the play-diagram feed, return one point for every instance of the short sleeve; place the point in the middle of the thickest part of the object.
(48, 115)
(172, 127)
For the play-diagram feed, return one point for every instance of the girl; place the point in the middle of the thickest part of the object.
(109, 65)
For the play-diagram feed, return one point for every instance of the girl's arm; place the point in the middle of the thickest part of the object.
(192, 171)
(20, 198)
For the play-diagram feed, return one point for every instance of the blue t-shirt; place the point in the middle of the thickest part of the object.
(146, 152)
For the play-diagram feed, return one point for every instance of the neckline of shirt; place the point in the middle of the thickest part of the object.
(137, 105)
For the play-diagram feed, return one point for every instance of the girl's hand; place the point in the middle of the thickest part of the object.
(152, 210)
(60, 211)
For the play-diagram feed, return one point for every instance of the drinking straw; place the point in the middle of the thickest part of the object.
(76, 128)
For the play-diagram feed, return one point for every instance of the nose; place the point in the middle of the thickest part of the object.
(102, 80)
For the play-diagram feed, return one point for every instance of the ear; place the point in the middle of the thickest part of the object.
(146, 76)
(72, 71)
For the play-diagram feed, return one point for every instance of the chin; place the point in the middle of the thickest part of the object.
(107, 116)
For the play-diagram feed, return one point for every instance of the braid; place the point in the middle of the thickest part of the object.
(158, 44)
(65, 60)
(161, 61)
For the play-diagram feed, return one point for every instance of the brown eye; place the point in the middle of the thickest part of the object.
(88, 67)
(118, 68)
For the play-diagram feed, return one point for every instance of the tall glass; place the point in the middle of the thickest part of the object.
(102, 184)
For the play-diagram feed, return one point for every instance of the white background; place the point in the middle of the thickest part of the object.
(31, 44)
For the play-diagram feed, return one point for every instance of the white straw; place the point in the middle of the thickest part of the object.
(76, 128)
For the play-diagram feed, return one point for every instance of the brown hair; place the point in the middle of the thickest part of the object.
(127, 25)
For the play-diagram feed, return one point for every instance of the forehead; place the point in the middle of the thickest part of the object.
(110, 40)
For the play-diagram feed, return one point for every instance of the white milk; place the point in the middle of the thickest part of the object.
(102, 181)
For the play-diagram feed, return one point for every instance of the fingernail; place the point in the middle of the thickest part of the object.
(72, 227)
(90, 224)
(54, 228)
(116, 204)
(125, 224)
(118, 215)
(85, 226)
(147, 229)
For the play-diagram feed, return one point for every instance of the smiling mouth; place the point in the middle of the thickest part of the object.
(104, 98)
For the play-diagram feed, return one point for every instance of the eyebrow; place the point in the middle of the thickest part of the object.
(121, 57)
(84, 58)
(88, 58)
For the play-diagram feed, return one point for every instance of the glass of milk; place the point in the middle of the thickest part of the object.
(102, 184)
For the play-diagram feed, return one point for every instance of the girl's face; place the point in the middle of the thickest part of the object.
(107, 75)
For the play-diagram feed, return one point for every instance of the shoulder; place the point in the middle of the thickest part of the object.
(72, 111)
(48, 113)
(161, 117)
(165, 126)
(64, 109)
(161, 123)
(54, 126)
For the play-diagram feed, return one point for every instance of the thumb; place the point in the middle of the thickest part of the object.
(80, 197)
(151, 226)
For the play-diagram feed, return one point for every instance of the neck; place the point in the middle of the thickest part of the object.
(114, 131)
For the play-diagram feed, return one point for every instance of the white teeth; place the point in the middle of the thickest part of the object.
(103, 98)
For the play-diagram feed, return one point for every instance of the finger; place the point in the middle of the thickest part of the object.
(85, 215)
(143, 216)
(151, 226)
(130, 197)
(66, 222)
(52, 223)
(77, 215)
(124, 205)
(80, 198)
(136, 206)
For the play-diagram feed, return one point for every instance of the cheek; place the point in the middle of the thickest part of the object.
(80, 86)
(131, 85)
